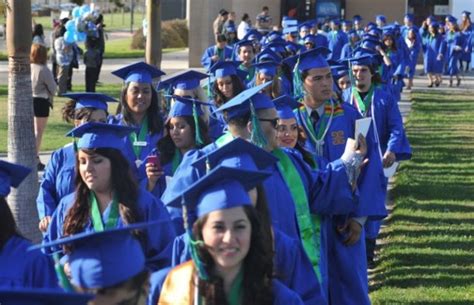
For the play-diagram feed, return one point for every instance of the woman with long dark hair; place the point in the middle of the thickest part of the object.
(227, 84)
(139, 108)
(58, 178)
(454, 48)
(232, 251)
(434, 48)
(466, 30)
(18, 267)
(107, 195)
(184, 130)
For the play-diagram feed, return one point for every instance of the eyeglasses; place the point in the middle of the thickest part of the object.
(274, 121)
(285, 129)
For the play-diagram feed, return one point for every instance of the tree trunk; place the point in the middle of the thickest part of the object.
(21, 138)
(153, 40)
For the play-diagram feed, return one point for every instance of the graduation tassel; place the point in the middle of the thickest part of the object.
(298, 91)
(198, 136)
(256, 137)
(194, 244)
(61, 275)
(209, 95)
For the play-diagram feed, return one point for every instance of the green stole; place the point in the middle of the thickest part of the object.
(363, 104)
(137, 149)
(308, 223)
(235, 294)
(224, 139)
(175, 161)
(97, 216)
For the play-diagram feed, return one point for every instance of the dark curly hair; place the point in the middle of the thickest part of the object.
(123, 184)
(219, 97)
(257, 266)
(70, 113)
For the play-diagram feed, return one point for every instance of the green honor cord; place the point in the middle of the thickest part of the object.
(309, 225)
(97, 216)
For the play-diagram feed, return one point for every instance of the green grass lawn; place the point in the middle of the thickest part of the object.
(428, 256)
(56, 129)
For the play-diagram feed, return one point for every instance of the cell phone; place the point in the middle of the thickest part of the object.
(155, 160)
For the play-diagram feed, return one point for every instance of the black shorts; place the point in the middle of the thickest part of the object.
(41, 107)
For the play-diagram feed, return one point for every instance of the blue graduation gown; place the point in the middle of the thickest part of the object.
(151, 140)
(20, 268)
(217, 123)
(321, 41)
(347, 50)
(453, 56)
(282, 295)
(206, 60)
(413, 52)
(291, 264)
(467, 48)
(336, 41)
(432, 47)
(158, 241)
(58, 180)
(157, 279)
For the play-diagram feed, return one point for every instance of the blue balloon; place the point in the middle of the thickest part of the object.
(70, 25)
(85, 9)
(80, 36)
(69, 37)
(76, 12)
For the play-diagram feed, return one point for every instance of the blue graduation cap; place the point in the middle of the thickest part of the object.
(273, 35)
(267, 67)
(42, 296)
(466, 13)
(11, 175)
(409, 17)
(139, 72)
(336, 21)
(249, 101)
(361, 59)
(100, 135)
(339, 71)
(186, 80)
(314, 58)
(277, 46)
(451, 19)
(356, 18)
(290, 30)
(188, 107)
(288, 22)
(381, 18)
(352, 33)
(346, 22)
(230, 28)
(305, 26)
(370, 44)
(371, 25)
(90, 100)
(375, 32)
(238, 153)
(252, 35)
(267, 54)
(103, 259)
(293, 47)
(242, 43)
(284, 105)
(310, 38)
(224, 68)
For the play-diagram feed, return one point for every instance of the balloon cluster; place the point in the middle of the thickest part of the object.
(81, 25)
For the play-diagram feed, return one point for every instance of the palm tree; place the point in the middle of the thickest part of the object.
(153, 37)
(21, 138)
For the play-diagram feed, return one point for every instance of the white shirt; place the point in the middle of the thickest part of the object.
(242, 29)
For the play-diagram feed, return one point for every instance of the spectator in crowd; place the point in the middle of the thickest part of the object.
(38, 34)
(244, 26)
(64, 54)
(92, 60)
(218, 24)
(264, 21)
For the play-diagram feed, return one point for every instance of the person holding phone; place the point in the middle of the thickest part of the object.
(185, 129)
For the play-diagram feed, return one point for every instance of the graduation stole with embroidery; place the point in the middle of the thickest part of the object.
(362, 104)
(97, 216)
(308, 223)
(138, 140)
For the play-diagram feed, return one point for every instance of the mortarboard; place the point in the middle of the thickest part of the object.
(267, 67)
(11, 175)
(466, 13)
(381, 18)
(346, 22)
(336, 21)
(90, 100)
(42, 296)
(451, 19)
(285, 105)
(230, 28)
(310, 38)
(224, 68)
(356, 18)
(370, 44)
(267, 54)
(103, 259)
(314, 58)
(409, 17)
(305, 26)
(339, 71)
(100, 135)
(288, 22)
(139, 72)
(361, 59)
(277, 46)
(186, 80)
(290, 30)
(252, 34)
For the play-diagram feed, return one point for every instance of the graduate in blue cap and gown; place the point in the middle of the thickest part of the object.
(30, 296)
(255, 37)
(393, 74)
(107, 195)
(140, 108)
(227, 84)
(185, 129)
(467, 31)
(268, 71)
(304, 29)
(293, 187)
(231, 249)
(413, 42)
(291, 263)
(58, 177)
(337, 39)
(109, 264)
(245, 52)
(328, 123)
(186, 84)
(454, 48)
(18, 267)
(387, 130)
(434, 49)
(358, 24)
(351, 45)
(218, 52)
